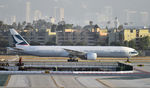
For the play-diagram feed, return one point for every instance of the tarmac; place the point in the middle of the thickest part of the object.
(74, 81)
(137, 80)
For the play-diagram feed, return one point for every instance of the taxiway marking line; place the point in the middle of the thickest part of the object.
(56, 82)
(104, 83)
(6, 83)
(76, 78)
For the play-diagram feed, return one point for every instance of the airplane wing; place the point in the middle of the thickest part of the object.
(75, 52)
(81, 54)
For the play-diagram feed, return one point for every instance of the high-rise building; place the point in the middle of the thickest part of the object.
(37, 15)
(108, 12)
(28, 12)
(13, 19)
(61, 14)
(6, 20)
(144, 17)
(105, 16)
(10, 20)
(56, 14)
(116, 22)
(131, 17)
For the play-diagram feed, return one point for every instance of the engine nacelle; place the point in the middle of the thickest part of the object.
(91, 56)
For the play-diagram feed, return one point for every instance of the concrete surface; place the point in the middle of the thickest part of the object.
(77, 81)
(54, 81)
(3, 79)
(84, 81)
(126, 82)
(37, 81)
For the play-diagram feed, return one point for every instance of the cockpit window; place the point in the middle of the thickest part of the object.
(133, 52)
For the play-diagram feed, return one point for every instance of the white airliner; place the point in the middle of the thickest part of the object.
(83, 52)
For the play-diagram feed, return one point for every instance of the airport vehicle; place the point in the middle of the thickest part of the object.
(83, 52)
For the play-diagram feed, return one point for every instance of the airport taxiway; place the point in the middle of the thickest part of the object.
(74, 81)
(136, 80)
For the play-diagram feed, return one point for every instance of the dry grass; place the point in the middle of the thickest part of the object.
(46, 58)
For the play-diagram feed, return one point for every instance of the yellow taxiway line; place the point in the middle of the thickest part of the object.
(6, 83)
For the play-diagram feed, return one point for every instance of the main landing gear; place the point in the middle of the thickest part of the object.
(72, 58)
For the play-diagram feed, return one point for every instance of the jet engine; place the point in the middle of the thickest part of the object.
(91, 56)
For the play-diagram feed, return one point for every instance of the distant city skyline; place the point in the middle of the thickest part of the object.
(28, 8)
(78, 12)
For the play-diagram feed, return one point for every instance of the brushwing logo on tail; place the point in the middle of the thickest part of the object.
(18, 40)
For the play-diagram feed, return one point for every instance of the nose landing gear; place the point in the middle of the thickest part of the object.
(128, 60)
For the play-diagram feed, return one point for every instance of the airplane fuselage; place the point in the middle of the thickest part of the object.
(58, 51)
(85, 52)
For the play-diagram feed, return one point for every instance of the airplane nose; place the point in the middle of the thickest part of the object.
(134, 53)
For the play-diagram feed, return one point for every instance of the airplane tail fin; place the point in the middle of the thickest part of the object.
(18, 39)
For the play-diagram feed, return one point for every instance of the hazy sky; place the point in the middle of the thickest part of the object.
(80, 11)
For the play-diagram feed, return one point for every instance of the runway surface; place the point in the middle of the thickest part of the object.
(72, 81)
